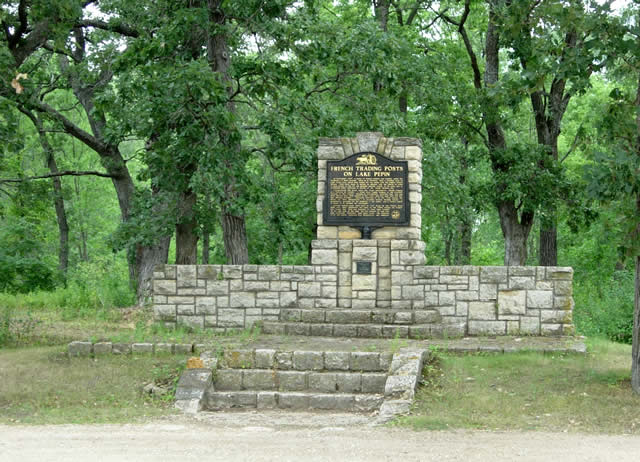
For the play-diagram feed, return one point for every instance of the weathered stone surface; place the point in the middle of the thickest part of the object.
(284, 360)
(239, 359)
(242, 300)
(79, 348)
(363, 282)
(308, 360)
(365, 254)
(324, 382)
(193, 384)
(163, 348)
(292, 380)
(511, 302)
(400, 386)
(264, 358)
(268, 272)
(522, 282)
(336, 360)
(413, 292)
(373, 382)
(183, 348)
(540, 299)
(295, 401)
(337, 402)
(230, 317)
(367, 403)
(142, 348)
(412, 257)
(164, 287)
(487, 328)
(309, 289)
(259, 379)
(266, 400)
(228, 379)
(102, 348)
(365, 361)
(324, 256)
(217, 287)
(482, 310)
(121, 348)
(186, 275)
(529, 325)
(493, 274)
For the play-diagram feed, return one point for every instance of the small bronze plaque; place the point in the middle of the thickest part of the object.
(363, 267)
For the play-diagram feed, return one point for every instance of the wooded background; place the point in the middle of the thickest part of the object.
(138, 133)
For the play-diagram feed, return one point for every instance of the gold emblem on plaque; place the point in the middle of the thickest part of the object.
(366, 159)
(395, 214)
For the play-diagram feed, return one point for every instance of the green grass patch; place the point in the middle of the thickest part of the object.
(43, 386)
(530, 391)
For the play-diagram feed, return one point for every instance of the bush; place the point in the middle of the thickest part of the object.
(605, 308)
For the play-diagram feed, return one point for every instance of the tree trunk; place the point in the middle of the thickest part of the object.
(516, 231)
(234, 233)
(61, 215)
(186, 230)
(205, 247)
(235, 239)
(147, 258)
(548, 239)
(463, 253)
(635, 352)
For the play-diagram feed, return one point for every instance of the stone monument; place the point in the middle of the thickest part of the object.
(367, 276)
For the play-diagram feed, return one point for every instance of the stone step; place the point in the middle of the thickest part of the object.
(347, 402)
(415, 331)
(276, 380)
(361, 316)
(338, 361)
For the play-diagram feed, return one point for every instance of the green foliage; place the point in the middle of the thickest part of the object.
(605, 308)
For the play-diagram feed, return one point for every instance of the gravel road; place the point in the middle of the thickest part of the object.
(280, 436)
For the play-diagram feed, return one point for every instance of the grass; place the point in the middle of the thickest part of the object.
(530, 391)
(41, 385)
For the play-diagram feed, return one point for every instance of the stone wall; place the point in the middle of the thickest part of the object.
(412, 300)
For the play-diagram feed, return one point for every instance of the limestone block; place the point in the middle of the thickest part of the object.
(467, 295)
(314, 316)
(563, 303)
(205, 305)
(493, 274)
(164, 348)
(79, 348)
(365, 361)
(411, 257)
(346, 232)
(142, 348)
(413, 292)
(345, 331)
(482, 310)
(229, 317)
(232, 271)
(217, 287)
(556, 316)
(347, 383)
(242, 300)
(228, 379)
(258, 380)
(186, 276)
(164, 287)
(121, 348)
(488, 291)
(563, 288)
(284, 360)
(164, 312)
(403, 317)
(522, 270)
(209, 272)
(309, 289)
(268, 273)
(559, 273)
(530, 325)
(487, 327)
(363, 282)
(327, 232)
(321, 330)
(266, 400)
(336, 360)
(222, 301)
(400, 278)
(446, 298)
(540, 299)
(291, 380)
(324, 256)
(367, 295)
(365, 253)
(308, 360)
(288, 299)
(524, 282)
(256, 286)
(322, 381)
(368, 141)
(551, 329)
(511, 302)
(427, 317)
(268, 303)
(102, 348)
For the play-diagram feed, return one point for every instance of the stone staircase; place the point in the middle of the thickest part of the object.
(339, 381)
(370, 323)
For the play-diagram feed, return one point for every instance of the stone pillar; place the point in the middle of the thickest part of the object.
(391, 249)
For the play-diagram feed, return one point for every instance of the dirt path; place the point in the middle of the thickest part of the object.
(296, 437)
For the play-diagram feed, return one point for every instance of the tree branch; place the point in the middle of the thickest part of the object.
(53, 175)
(122, 29)
(477, 75)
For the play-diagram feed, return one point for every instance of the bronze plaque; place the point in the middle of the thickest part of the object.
(367, 189)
